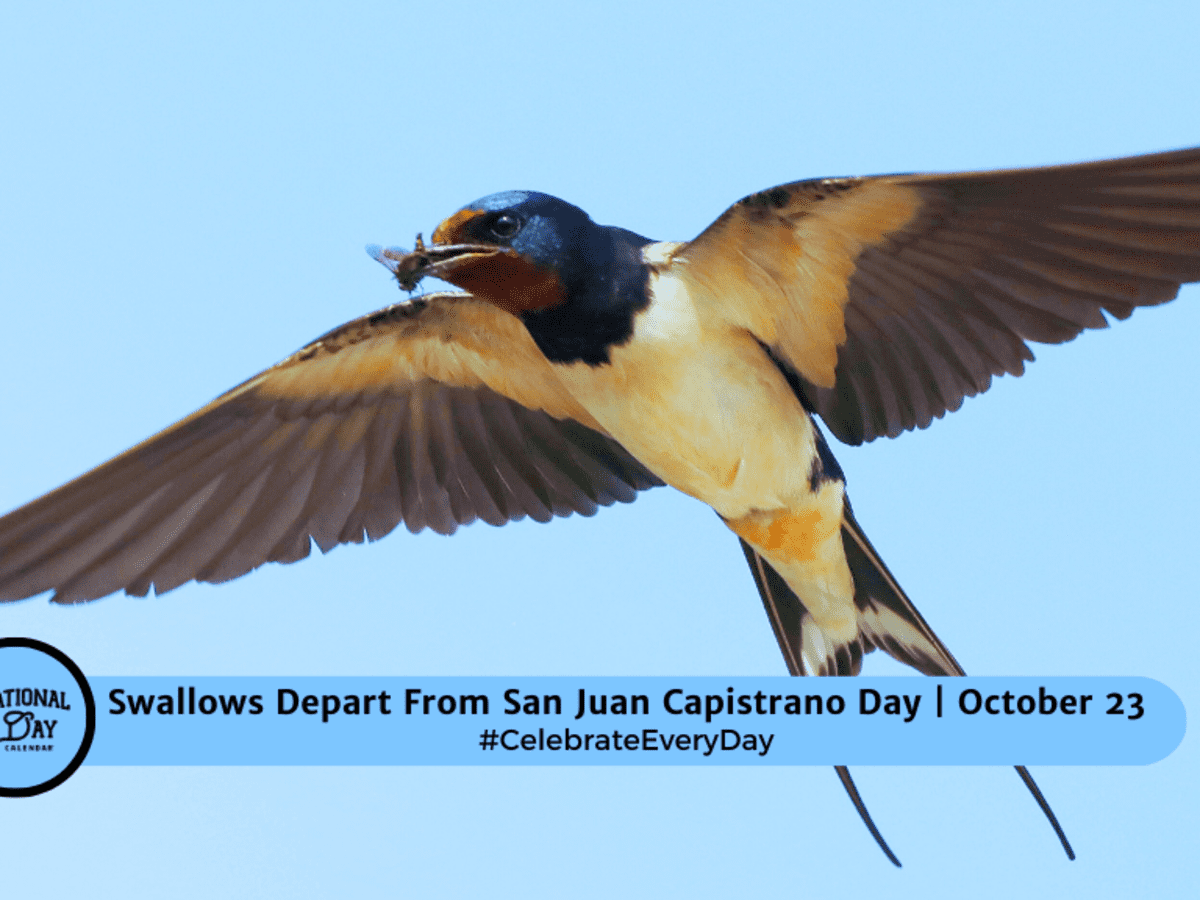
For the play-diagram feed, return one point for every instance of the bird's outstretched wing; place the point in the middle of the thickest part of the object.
(436, 413)
(893, 298)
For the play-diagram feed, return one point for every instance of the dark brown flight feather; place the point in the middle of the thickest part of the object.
(893, 298)
(384, 420)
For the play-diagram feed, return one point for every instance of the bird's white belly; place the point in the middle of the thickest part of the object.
(707, 411)
(711, 414)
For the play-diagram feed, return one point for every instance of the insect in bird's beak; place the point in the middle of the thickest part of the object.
(410, 267)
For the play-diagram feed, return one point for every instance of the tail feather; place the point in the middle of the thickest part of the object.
(786, 614)
(887, 620)
(784, 609)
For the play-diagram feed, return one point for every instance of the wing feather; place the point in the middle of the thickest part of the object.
(894, 298)
(435, 413)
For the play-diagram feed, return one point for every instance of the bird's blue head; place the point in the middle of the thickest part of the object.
(575, 284)
(522, 250)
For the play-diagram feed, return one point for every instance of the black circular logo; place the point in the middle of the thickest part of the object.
(47, 717)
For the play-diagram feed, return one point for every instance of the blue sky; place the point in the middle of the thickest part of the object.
(184, 198)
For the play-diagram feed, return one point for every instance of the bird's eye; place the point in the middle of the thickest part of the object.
(505, 225)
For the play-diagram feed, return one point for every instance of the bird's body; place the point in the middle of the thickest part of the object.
(585, 363)
(702, 405)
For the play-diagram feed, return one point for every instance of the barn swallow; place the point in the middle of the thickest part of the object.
(582, 364)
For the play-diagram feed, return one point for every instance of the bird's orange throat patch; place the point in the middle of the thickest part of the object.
(505, 279)
(509, 281)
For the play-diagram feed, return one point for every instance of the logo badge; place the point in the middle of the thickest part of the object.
(47, 717)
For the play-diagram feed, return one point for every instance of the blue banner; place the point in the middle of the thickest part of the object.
(633, 721)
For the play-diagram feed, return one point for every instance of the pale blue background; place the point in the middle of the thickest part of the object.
(184, 197)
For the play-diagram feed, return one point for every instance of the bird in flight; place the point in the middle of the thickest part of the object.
(581, 364)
